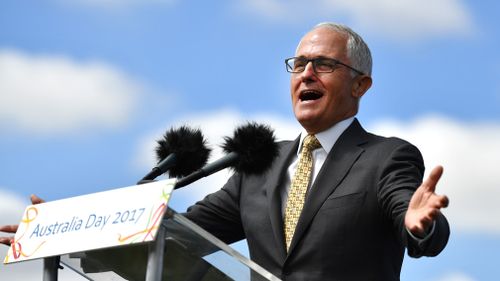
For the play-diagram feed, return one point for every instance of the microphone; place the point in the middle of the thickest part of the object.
(251, 150)
(181, 151)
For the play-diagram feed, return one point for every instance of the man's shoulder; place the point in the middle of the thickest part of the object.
(387, 139)
(283, 144)
(356, 135)
(375, 138)
(386, 143)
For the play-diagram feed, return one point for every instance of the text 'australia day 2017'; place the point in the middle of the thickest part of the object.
(93, 221)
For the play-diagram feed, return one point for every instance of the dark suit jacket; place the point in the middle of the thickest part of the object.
(352, 224)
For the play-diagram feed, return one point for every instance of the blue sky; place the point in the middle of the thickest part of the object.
(87, 86)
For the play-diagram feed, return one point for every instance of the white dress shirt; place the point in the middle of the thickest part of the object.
(327, 139)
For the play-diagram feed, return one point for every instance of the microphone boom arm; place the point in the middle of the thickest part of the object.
(209, 169)
(161, 168)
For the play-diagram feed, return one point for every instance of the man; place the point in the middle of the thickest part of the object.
(363, 202)
(362, 206)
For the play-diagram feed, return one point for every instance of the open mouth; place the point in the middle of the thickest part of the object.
(309, 95)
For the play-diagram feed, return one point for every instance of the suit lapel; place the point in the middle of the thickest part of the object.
(343, 155)
(273, 186)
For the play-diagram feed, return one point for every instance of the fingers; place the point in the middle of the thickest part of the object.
(6, 240)
(13, 228)
(417, 230)
(418, 220)
(425, 205)
(421, 227)
(433, 209)
(443, 201)
(9, 228)
(36, 200)
(438, 201)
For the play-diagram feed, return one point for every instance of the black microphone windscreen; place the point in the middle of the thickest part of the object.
(256, 146)
(189, 146)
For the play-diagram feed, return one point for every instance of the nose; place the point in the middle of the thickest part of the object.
(308, 73)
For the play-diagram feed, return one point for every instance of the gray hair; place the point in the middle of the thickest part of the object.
(357, 51)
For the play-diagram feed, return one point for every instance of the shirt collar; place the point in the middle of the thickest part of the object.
(328, 137)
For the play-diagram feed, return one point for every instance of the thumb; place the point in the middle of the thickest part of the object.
(431, 182)
(36, 200)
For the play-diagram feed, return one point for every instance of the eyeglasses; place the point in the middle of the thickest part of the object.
(320, 65)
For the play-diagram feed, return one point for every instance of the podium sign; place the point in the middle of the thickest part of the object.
(100, 220)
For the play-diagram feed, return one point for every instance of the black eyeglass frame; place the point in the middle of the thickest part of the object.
(334, 62)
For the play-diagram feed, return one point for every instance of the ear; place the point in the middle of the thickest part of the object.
(360, 85)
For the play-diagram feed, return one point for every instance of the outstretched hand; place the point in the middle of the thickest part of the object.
(425, 205)
(13, 228)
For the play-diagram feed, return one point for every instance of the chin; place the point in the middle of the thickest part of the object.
(307, 116)
(308, 124)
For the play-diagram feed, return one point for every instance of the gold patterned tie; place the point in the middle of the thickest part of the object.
(298, 187)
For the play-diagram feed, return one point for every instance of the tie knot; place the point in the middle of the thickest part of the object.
(310, 143)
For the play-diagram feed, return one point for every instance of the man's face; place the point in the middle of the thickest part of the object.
(320, 100)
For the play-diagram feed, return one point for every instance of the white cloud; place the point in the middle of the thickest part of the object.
(404, 19)
(43, 95)
(455, 276)
(469, 153)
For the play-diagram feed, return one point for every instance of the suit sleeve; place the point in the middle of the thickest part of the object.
(401, 174)
(219, 212)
